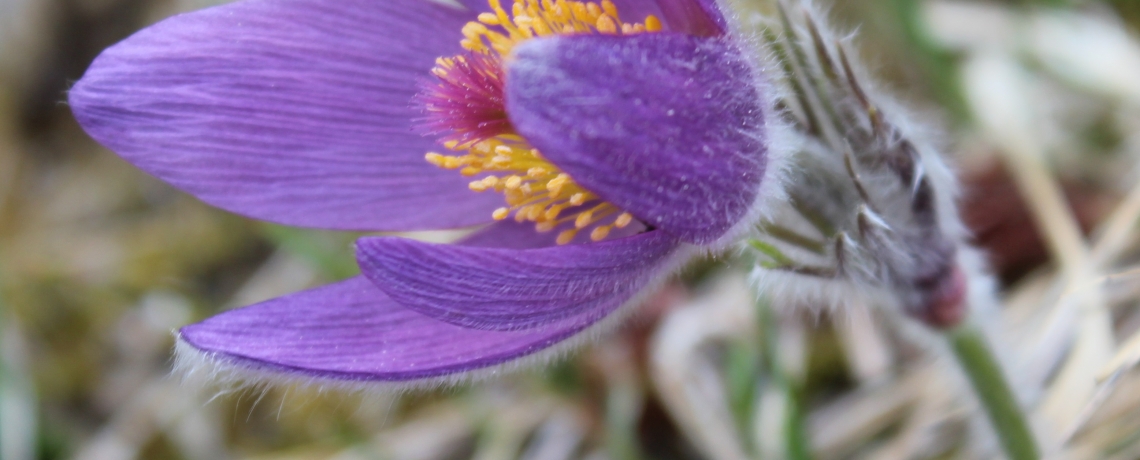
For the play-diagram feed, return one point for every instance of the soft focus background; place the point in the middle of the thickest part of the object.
(99, 263)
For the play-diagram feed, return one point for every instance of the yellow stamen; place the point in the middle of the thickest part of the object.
(606, 25)
(499, 31)
(584, 219)
(553, 212)
(535, 190)
(555, 185)
(600, 233)
(611, 9)
(435, 159)
(623, 220)
(489, 19)
(652, 24)
(566, 236)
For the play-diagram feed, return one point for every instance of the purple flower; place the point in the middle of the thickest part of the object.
(623, 136)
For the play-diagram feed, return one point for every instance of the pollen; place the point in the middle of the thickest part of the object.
(465, 106)
(534, 189)
(501, 29)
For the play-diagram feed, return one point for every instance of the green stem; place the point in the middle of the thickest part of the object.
(3, 380)
(991, 387)
(797, 445)
(795, 423)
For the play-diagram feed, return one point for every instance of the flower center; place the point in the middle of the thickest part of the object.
(465, 106)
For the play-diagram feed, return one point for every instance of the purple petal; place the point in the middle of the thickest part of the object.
(294, 111)
(666, 126)
(509, 289)
(352, 331)
(694, 17)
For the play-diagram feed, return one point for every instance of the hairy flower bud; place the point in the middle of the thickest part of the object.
(870, 202)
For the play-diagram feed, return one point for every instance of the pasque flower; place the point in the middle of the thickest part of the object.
(600, 144)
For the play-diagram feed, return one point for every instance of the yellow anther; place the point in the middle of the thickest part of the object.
(526, 189)
(481, 148)
(503, 150)
(453, 162)
(600, 233)
(584, 219)
(520, 215)
(541, 28)
(489, 19)
(623, 220)
(577, 199)
(606, 25)
(533, 213)
(513, 182)
(501, 213)
(652, 24)
(435, 159)
(593, 10)
(474, 28)
(610, 8)
(553, 212)
(484, 184)
(543, 227)
(555, 185)
(470, 171)
(566, 236)
(578, 10)
(536, 172)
